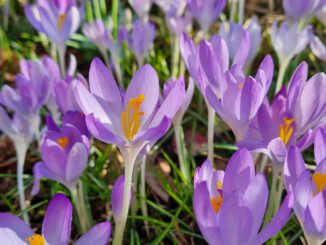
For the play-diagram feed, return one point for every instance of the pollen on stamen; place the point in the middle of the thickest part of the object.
(63, 141)
(61, 20)
(286, 129)
(130, 118)
(35, 239)
(320, 181)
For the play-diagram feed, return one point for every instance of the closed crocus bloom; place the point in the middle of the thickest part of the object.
(239, 99)
(309, 190)
(64, 152)
(57, 19)
(206, 11)
(230, 206)
(178, 23)
(288, 40)
(318, 48)
(301, 9)
(292, 118)
(141, 39)
(56, 227)
(141, 7)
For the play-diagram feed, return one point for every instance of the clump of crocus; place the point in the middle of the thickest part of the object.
(288, 40)
(58, 20)
(55, 229)
(33, 89)
(21, 134)
(141, 39)
(206, 12)
(230, 206)
(291, 119)
(131, 121)
(309, 191)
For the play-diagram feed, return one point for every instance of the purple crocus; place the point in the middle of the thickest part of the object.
(301, 9)
(64, 152)
(57, 19)
(141, 39)
(55, 229)
(309, 191)
(33, 89)
(233, 33)
(318, 48)
(239, 99)
(230, 206)
(206, 12)
(321, 14)
(132, 121)
(141, 7)
(292, 118)
(288, 40)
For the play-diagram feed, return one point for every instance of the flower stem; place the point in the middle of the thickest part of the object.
(233, 10)
(241, 11)
(179, 139)
(143, 204)
(21, 155)
(283, 65)
(277, 200)
(210, 133)
(175, 56)
(62, 53)
(264, 161)
(129, 158)
(79, 201)
(272, 196)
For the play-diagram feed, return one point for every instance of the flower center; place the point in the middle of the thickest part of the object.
(60, 22)
(63, 142)
(286, 129)
(320, 181)
(240, 85)
(36, 239)
(216, 202)
(130, 118)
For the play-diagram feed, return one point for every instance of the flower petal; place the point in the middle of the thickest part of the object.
(98, 235)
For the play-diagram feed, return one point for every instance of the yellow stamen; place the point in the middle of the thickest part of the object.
(240, 85)
(320, 181)
(217, 202)
(63, 142)
(286, 129)
(219, 185)
(130, 120)
(61, 20)
(36, 239)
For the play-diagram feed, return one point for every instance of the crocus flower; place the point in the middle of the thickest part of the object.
(239, 99)
(309, 191)
(33, 89)
(206, 12)
(288, 40)
(178, 23)
(292, 118)
(301, 9)
(318, 48)
(64, 152)
(131, 120)
(56, 227)
(141, 7)
(141, 39)
(58, 20)
(230, 206)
